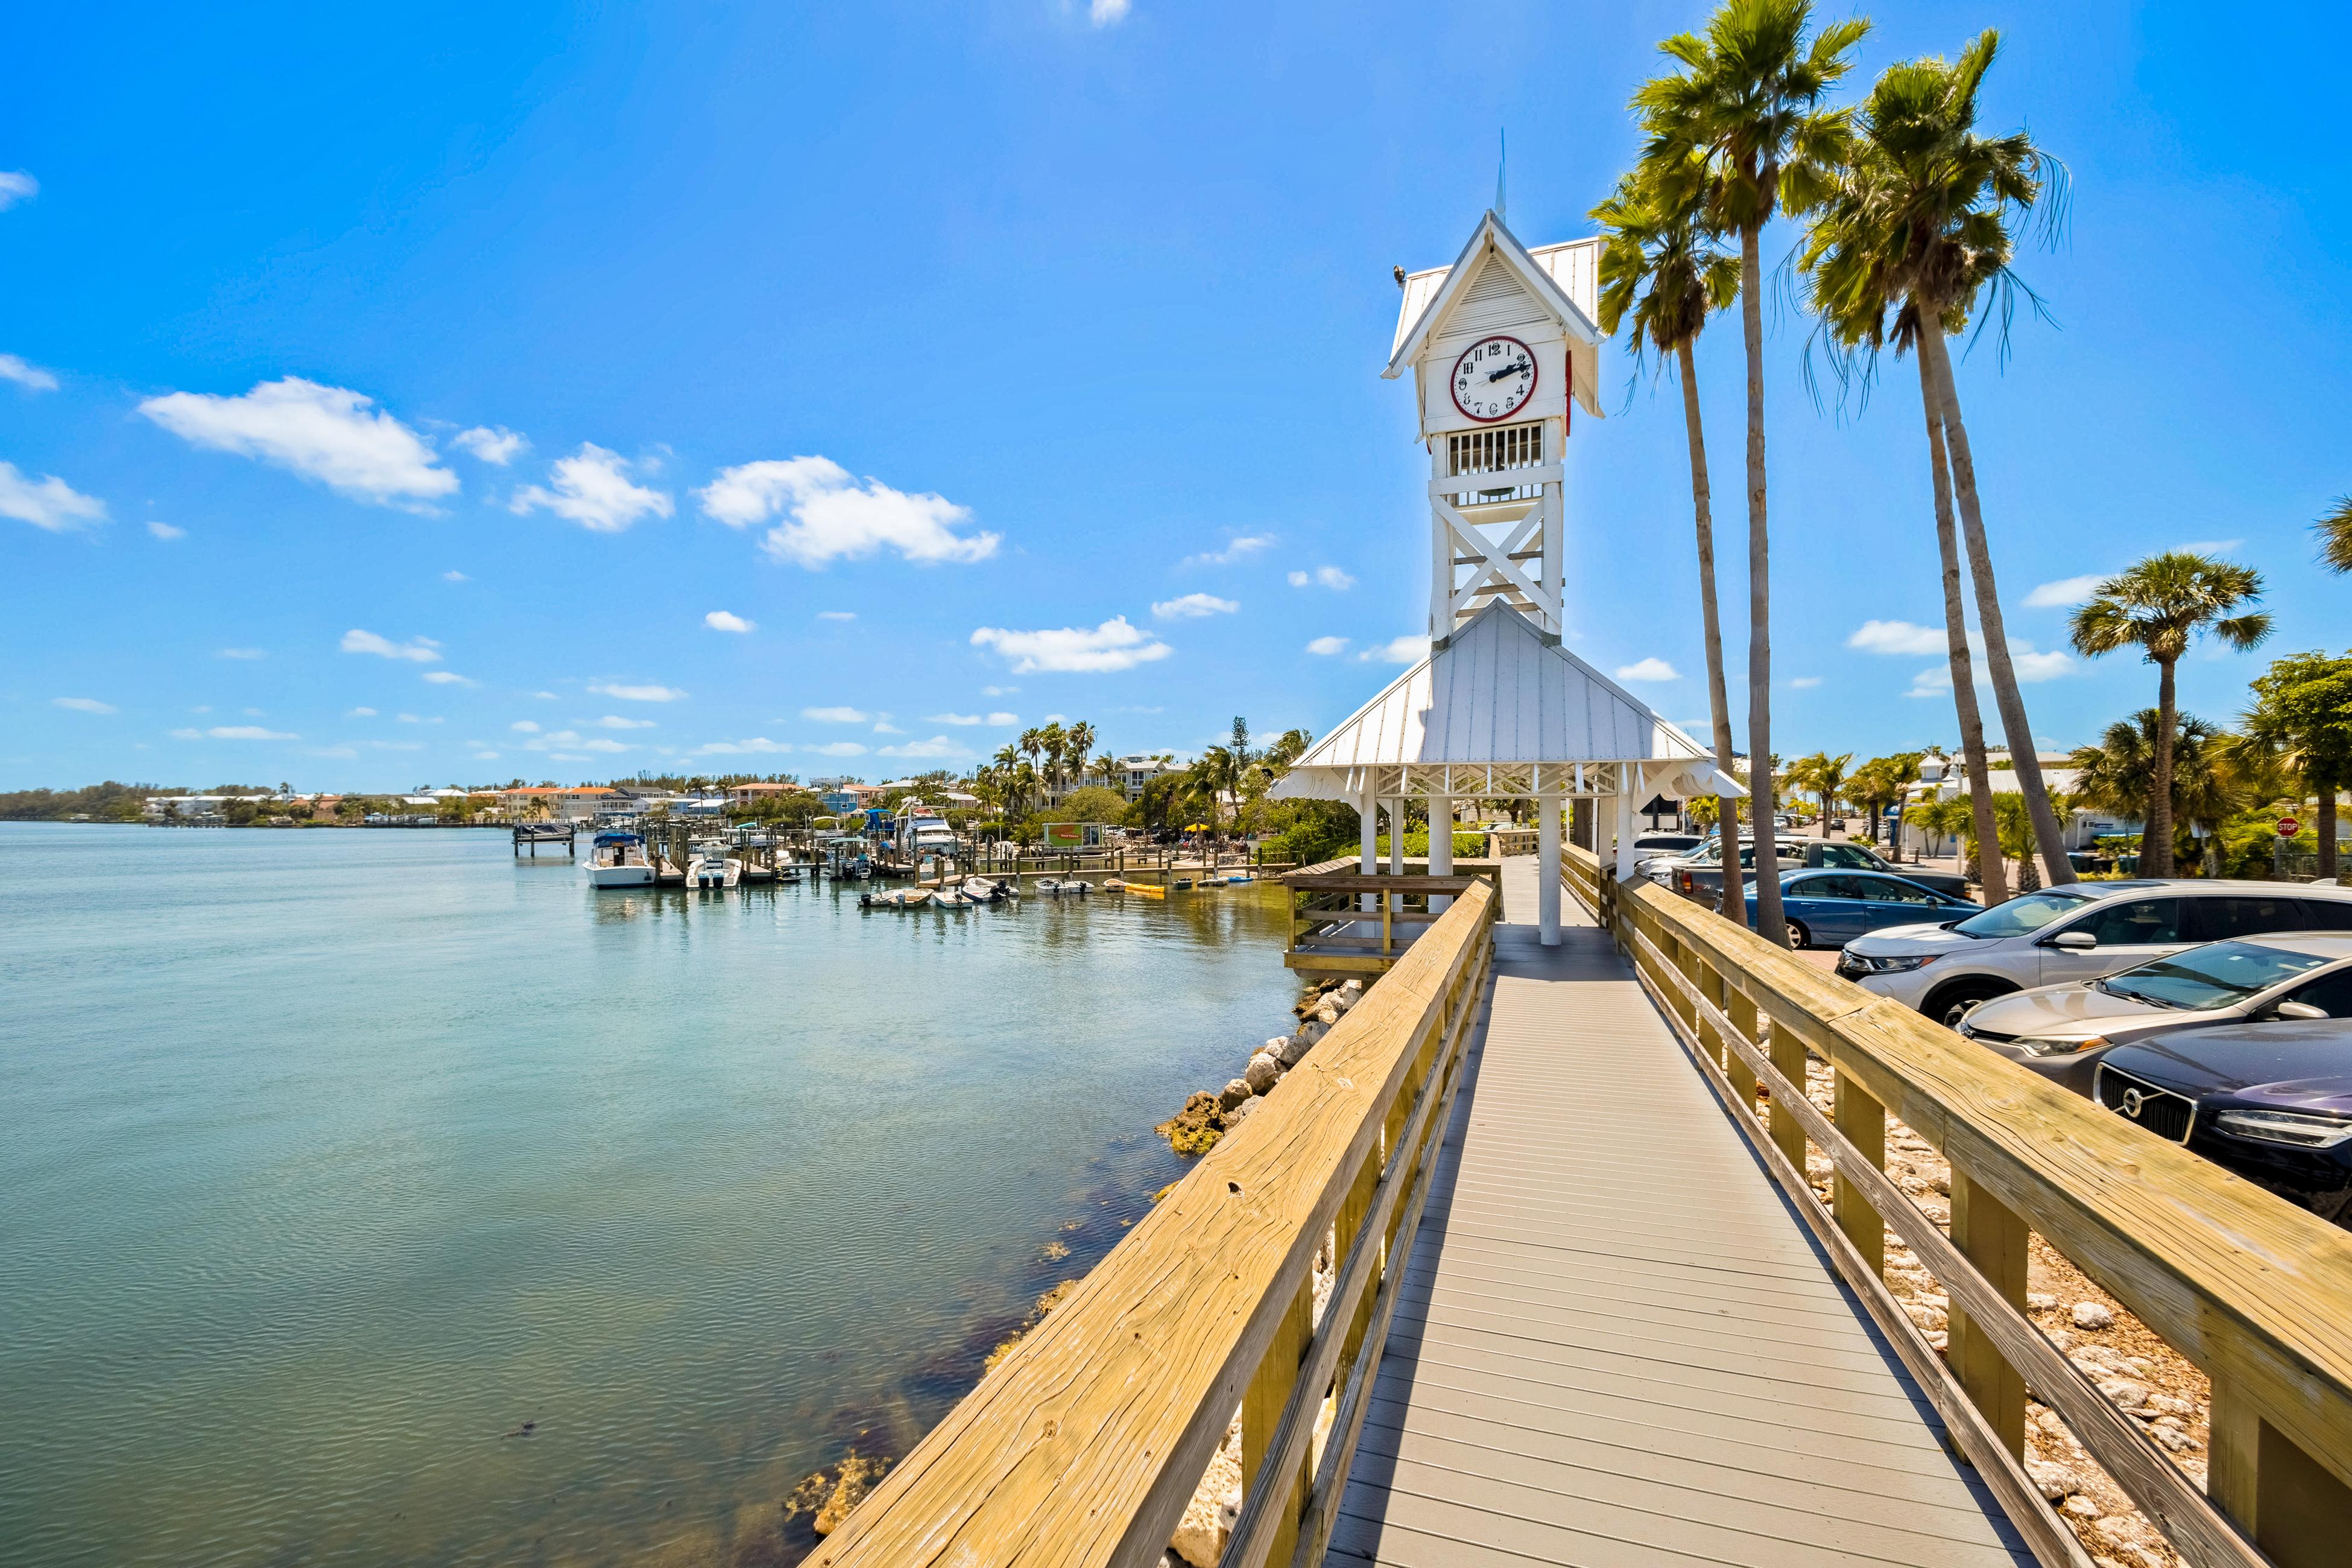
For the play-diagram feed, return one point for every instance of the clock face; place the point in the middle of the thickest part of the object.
(1493, 379)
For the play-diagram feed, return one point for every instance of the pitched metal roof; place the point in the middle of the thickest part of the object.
(1565, 277)
(1499, 693)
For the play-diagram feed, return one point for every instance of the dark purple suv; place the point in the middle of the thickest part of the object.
(2272, 1103)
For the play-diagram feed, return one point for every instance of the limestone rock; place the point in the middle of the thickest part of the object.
(1929, 1318)
(1209, 1518)
(1290, 1049)
(1310, 1031)
(2040, 1301)
(1351, 988)
(2092, 1315)
(1239, 1114)
(1327, 1014)
(1341, 1001)
(1263, 1073)
(2056, 1481)
(2124, 1394)
(1195, 1129)
(2081, 1507)
(1234, 1093)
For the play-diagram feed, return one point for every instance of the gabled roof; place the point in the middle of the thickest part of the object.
(1443, 290)
(1499, 693)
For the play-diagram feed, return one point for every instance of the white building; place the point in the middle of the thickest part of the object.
(1137, 771)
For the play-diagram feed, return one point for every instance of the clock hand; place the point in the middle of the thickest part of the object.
(1508, 370)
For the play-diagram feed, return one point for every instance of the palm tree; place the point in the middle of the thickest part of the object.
(1917, 224)
(2334, 532)
(1659, 261)
(1287, 748)
(1078, 744)
(1823, 776)
(2301, 721)
(2118, 775)
(1948, 817)
(2159, 606)
(1743, 115)
(1032, 744)
(1215, 774)
(1105, 768)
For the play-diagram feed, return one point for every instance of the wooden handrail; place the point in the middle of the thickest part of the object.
(1085, 1444)
(2254, 1290)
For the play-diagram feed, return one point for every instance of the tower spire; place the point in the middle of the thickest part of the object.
(1502, 162)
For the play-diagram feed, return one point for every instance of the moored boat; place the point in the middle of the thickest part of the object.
(707, 866)
(618, 860)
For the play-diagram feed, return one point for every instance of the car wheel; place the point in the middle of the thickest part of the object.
(1950, 1004)
(1798, 937)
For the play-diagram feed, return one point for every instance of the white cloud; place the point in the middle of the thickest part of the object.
(889, 730)
(322, 433)
(165, 531)
(1397, 650)
(615, 722)
(31, 377)
(315, 751)
(239, 732)
(448, 678)
(1241, 548)
(16, 185)
(422, 650)
(969, 719)
(1896, 637)
(1114, 645)
(455, 577)
(551, 697)
(1802, 683)
(492, 443)
(241, 653)
(2065, 592)
(486, 756)
(839, 748)
(524, 727)
(635, 693)
(937, 746)
(360, 714)
(836, 614)
(1330, 577)
(84, 704)
(2210, 546)
(593, 490)
(49, 503)
(2031, 667)
(1107, 12)
(1326, 646)
(572, 741)
(1651, 669)
(721, 621)
(998, 691)
(397, 745)
(756, 743)
(827, 515)
(1193, 606)
(837, 715)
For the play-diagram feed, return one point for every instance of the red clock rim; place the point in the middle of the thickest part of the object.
(1535, 376)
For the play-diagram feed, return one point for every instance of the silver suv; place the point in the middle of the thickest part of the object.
(2085, 931)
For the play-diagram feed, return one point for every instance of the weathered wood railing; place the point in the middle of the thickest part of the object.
(2255, 1291)
(1084, 1444)
(1346, 920)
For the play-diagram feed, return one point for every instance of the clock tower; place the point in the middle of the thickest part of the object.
(1503, 350)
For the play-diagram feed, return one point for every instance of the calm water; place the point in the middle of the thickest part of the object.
(333, 1157)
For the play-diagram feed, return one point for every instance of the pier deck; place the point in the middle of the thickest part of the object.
(1615, 1343)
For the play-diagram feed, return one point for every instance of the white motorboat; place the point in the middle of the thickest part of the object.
(618, 860)
(1063, 887)
(709, 867)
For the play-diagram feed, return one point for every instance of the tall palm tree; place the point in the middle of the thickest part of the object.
(1287, 748)
(1659, 261)
(1744, 113)
(1032, 744)
(2159, 606)
(2301, 721)
(1822, 775)
(2334, 532)
(1916, 225)
(1077, 746)
(1213, 776)
(2118, 775)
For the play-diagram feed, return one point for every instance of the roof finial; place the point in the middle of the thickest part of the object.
(1502, 161)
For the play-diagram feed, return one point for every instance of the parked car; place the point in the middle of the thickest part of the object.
(2083, 930)
(1653, 849)
(2272, 1103)
(2063, 1031)
(1701, 876)
(1825, 908)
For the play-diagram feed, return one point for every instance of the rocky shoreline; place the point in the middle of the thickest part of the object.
(1209, 1114)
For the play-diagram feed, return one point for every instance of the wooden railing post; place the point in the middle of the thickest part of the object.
(2298, 1512)
(1861, 1120)
(1991, 1235)
(1261, 1408)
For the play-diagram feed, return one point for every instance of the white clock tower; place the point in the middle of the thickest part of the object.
(1504, 350)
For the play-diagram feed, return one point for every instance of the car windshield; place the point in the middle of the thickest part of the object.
(2215, 975)
(2029, 912)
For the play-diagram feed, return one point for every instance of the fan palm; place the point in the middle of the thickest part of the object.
(2334, 532)
(1917, 227)
(2159, 606)
(1077, 745)
(1214, 776)
(1742, 121)
(1822, 775)
(1660, 263)
(2301, 721)
(2118, 775)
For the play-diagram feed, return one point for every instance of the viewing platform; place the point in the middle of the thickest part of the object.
(1578, 1303)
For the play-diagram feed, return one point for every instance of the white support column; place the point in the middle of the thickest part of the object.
(1440, 846)
(1626, 800)
(1367, 827)
(1396, 836)
(1548, 869)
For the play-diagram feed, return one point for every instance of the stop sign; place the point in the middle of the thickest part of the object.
(2288, 827)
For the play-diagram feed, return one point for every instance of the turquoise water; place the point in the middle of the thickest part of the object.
(332, 1158)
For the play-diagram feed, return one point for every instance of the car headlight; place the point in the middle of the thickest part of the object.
(2301, 1129)
(2052, 1046)
(1864, 963)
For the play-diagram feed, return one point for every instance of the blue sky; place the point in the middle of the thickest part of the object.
(475, 393)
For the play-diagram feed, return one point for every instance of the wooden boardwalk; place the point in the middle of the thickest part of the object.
(1616, 1345)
